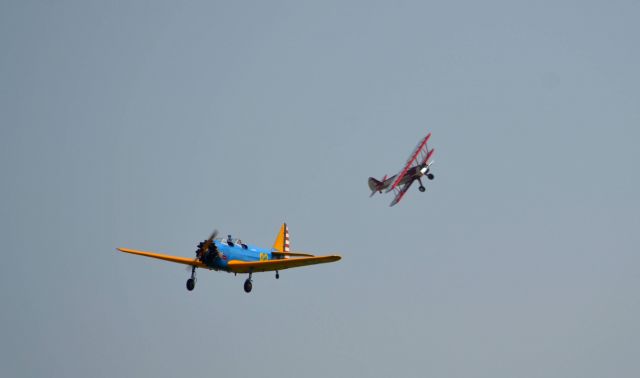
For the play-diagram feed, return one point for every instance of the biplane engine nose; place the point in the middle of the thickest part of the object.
(424, 170)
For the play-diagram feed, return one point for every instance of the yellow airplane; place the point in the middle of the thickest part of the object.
(234, 256)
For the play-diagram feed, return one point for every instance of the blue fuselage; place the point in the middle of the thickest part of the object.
(238, 251)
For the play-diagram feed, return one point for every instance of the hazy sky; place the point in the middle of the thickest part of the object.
(148, 124)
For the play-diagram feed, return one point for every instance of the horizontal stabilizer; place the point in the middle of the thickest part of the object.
(379, 186)
(295, 254)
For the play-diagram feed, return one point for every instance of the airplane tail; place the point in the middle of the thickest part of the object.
(282, 240)
(377, 186)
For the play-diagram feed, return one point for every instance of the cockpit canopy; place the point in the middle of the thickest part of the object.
(233, 242)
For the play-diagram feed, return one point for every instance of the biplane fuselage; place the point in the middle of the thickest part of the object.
(412, 174)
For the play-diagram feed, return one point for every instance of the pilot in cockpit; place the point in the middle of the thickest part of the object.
(229, 241)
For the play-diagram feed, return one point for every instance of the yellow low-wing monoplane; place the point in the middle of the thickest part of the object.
(234, 256)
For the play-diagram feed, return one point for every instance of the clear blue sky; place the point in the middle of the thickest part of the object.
(148, 124)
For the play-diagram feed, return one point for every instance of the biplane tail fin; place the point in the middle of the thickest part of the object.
(378, 186)
(282, 240)
(373, 185)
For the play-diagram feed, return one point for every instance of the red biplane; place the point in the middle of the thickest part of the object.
(417, 165)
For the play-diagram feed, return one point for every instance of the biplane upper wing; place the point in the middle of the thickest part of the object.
(238, 266)
(412, 158)
(175, 259)
(400, 193)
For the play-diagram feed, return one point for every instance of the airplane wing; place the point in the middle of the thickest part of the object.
(175, 259)
(412, 158)
(400, 193)
(238, 266)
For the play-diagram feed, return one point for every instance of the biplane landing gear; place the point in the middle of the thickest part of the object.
(191, 282)
(248, 285)
(277, 275)
(430, 176)
(421, 187)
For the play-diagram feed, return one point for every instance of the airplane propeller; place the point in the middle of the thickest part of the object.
(203, 247)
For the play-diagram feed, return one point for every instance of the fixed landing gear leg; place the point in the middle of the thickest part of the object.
(277, 275)
(421, 187)
(191, 282)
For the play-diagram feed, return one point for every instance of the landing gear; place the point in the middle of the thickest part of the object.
(430, 176)
(421, 188)
(191, 282)
(277, 275)
(248, 285)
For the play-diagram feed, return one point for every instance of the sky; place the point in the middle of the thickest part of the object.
(148, 124)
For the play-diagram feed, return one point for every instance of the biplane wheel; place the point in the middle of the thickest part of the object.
(277, 275)
(191, 283)
(421, 188)
(430, 176)
(248, 286)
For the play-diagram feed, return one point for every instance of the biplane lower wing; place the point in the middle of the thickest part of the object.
(400, 193)
(238, 266)
(175, 259)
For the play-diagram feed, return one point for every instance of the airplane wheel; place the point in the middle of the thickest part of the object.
(277, 276)
(248, 286)
(422, 188)
(191, 283)
(430, 176)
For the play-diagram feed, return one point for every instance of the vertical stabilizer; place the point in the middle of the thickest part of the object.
(282, 240)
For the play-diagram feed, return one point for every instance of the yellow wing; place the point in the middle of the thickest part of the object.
(238, 266)
(175, 259)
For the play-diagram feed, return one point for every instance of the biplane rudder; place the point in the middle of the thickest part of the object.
(282, 240)
(377, 186)
(373, 185)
